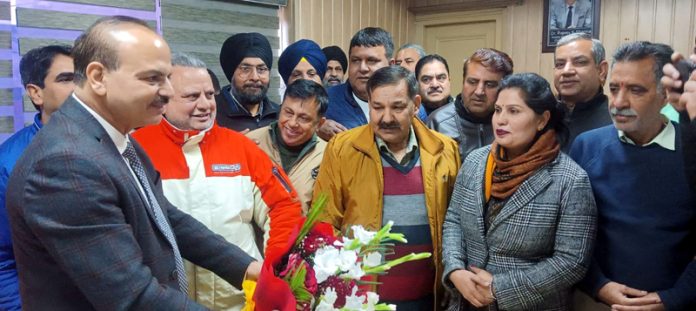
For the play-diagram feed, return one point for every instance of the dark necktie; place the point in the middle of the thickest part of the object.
(160, 220)
(569, 18)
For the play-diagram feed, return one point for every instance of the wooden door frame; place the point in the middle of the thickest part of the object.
(438, 19)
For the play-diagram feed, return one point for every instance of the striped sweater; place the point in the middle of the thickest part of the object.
(410, 284)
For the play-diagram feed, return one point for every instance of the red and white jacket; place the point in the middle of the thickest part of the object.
(221, 178)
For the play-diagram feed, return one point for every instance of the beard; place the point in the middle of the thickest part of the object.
(249, 95)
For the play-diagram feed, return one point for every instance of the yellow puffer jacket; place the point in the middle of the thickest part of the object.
(351, 175)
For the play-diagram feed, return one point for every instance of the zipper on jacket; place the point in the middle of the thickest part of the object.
(282, 180)
(480, 136)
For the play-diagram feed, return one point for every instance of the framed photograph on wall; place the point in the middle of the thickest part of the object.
(563, 17)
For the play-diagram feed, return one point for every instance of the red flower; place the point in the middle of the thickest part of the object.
(311, 281)
(321, 235)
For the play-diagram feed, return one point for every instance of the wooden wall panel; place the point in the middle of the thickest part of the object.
(334, 22)
(443, 6)
(671, 22)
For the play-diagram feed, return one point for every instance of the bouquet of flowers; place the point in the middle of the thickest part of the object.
(319, 271)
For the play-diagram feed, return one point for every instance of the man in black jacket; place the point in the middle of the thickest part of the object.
(580, 71)
(246, 59)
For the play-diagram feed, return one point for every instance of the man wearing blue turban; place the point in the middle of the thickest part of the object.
(302, 60)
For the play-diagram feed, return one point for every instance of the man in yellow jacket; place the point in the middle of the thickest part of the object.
(394, 168)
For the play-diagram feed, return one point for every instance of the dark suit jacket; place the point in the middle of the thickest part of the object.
(84, 236)
(582, 15)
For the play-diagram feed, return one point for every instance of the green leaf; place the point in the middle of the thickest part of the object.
(312, 217)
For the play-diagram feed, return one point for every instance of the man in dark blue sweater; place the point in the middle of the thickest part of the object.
(646, 240)
(371, 48)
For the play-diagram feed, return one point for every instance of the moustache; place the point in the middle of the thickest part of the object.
(435, 90)
(389, 126)
(161, 100)
(625, 112)
(255, 85)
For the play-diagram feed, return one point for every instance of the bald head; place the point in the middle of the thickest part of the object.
(123, 68)
(100, 42)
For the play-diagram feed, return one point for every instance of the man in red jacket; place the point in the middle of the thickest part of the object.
(219, 177)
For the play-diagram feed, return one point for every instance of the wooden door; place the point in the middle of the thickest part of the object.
(455, 36)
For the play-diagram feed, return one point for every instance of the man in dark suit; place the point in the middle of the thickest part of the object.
(92, 229)
(568, 14)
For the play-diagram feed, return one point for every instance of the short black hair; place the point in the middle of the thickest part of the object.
(34, 66)
(92, 46)
(639, 50)
(372, 37)
(538, 96)
(308, 89)
(429, 59)
(393, 75)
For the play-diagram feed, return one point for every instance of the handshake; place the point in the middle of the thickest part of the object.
(679, 81)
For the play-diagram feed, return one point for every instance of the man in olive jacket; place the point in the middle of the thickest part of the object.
(394, 168)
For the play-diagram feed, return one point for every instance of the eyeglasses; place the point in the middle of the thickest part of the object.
(260, 70)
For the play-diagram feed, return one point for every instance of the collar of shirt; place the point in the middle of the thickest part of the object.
(184, 137)
(411, 147)
(120, 140)
(37, 121)
(364, 106)
(666, 138)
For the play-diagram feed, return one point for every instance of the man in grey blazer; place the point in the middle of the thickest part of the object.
(92, 229)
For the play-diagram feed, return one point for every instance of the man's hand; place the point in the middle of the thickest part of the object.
(671, 82)
(253, 270)
(618, 294)
(466, 283)
(645, 307)
(329, 129)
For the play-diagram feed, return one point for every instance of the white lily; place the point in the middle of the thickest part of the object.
(326, 263)
(362, 235)
(353, 301)
(372, 259)
(348, 259)
(327, 301)
(372, 300)
(355, 272)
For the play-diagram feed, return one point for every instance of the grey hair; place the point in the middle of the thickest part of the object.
(187, 60)
(598, 52)
(419, 49)
(635, 51)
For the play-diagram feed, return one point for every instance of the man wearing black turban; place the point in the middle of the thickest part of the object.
(246, 59)
(336, 66)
